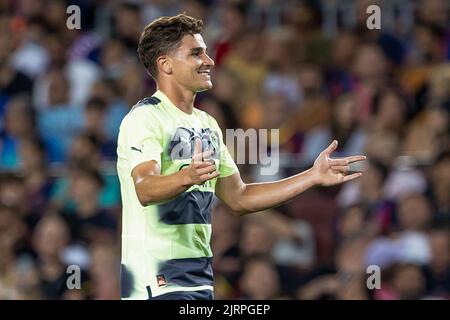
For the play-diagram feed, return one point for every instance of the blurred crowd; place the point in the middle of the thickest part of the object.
(312, 69)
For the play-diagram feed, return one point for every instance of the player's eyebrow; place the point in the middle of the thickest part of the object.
(198, 49)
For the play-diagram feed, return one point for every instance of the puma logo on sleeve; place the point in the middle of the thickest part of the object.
(136, 149)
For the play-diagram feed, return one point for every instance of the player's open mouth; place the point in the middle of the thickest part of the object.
(205, 72)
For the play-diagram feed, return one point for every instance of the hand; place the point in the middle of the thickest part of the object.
(328, 171)
(199, 170)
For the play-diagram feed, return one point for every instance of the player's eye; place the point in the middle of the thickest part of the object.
(197, 52)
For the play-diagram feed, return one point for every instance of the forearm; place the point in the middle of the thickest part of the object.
(157, 188)
(260, 196)
(245, 198)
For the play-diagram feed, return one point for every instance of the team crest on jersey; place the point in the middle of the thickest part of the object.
(161, 280)
(182, 143)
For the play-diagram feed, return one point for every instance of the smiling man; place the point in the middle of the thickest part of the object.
(171, 162)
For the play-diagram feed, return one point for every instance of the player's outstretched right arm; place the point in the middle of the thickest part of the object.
(151, 187)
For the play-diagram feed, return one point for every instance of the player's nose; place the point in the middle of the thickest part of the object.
(208, 61)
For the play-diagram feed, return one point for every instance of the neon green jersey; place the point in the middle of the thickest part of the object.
(166, 246)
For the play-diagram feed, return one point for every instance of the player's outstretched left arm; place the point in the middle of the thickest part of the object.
(326, 171)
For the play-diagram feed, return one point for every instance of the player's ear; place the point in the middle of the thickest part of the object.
(164, 64)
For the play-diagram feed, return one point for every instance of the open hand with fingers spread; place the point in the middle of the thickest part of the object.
(201, 170)
(329, 171)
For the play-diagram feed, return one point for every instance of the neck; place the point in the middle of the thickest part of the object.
(183, 99)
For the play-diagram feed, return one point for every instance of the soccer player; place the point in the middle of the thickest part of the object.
(171, 162)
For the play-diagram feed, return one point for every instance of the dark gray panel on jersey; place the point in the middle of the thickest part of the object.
(146, 101)
(188, 272)
(187, 208)
(126, 282)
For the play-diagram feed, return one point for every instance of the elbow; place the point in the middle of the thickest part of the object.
(145, 199)
(236, 209)
(239, 208)
(239, 202)
(241, 212)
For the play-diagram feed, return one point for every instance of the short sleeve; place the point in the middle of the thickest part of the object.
(143, 140)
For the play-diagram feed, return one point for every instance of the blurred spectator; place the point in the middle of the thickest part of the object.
(353, 221)
(256, 236)
(372, 73)
(128, 24)
(260, 279)
(344, 127)
(414, 213)
(85, 151)
(95, 123)
(225, 239)
(389, 112)
(112, 58)
(439, 188)
(61, 121)
(37, 182)
(234, 15)
(50, 238)
(427, 135)
(282, 77)
(368, 194)
(87, 220)
(246, 64)
(12, 236)
(439, 267)
(345, 280)
(338, 77)
(108, 91)
(12, 81)
(104, 272)
(403, 281)
(19, 125)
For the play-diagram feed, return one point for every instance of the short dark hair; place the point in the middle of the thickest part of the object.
(162, 36)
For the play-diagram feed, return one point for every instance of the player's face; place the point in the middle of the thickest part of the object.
(191, 65)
